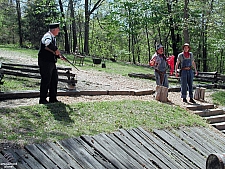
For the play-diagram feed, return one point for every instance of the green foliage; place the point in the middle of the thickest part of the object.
(42, 123)
(127, 29)
(8, 23)
(38, 15)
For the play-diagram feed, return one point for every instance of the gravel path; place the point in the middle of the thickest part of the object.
(92, 80)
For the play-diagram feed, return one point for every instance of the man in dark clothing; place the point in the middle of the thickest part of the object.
(47, 58)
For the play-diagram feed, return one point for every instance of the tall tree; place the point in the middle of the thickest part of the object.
(67, 46)
(88, 12)
(18, 9)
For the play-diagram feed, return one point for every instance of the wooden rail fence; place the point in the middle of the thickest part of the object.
(32, 71)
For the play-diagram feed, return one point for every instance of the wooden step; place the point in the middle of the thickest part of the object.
(216, 119)
(219, 126)
(209, 112)
(200, 106)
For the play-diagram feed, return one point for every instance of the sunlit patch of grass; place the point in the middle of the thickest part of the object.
(13, 83)
(59, 121)
(218, 98)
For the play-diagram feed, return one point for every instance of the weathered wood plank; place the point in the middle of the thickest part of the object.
(182, 147)
(34, 66)
(103, 152)
(200, 107)
(116, 151)
(37, 76)
(40, 156)
(215, 119)
(219, 126)
(209, 112)
(143, 92)
(120, 92)
(183, 161)
(96, 154)
(160, 155)
(18, 162)
(80, 154)
(29, 159)
(129, 150)
(213, 137)
(190, 139)
(53, 156)
(66, 157)
(4, 163)
(139, 149)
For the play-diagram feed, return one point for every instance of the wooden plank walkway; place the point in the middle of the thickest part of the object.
(124, 149)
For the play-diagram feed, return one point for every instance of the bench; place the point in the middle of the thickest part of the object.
(80, 57)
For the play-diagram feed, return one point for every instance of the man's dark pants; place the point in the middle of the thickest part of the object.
(49, 80)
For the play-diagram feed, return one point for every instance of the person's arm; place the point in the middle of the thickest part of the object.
(194, 65)
(176, 67)
(47, 40)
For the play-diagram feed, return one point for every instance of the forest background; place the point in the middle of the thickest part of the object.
(125, 29)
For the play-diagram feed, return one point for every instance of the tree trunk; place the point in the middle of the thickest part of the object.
(173, 37)
(148, 42)
(67, 46)
(86, 28)
(18, 9)
(185, 29)
(74, 31)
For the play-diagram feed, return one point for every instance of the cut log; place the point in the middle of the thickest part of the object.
(199, 93)
(158, 92)
(161, 93)
(215, 161)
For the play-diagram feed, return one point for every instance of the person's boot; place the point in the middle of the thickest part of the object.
(43, 101)
(185, 100)
(53, 100)
(192, 100)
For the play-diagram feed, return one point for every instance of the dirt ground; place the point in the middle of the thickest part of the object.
(94, 80)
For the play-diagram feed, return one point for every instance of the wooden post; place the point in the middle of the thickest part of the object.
(158, 92)
(199, 93)
(161, 93)
(196, 95)
(202, 93)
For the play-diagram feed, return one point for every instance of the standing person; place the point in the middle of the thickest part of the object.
(186, 61)
(47, 58)
(160, 66)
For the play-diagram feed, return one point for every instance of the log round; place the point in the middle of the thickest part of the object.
(215, 161)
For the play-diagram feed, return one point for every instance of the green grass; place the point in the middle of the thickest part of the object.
(12, 83)
(41, 123)
(219, 98)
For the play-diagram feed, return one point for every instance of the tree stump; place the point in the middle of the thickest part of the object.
(215, 161)
(161, 93)
(199, 93)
